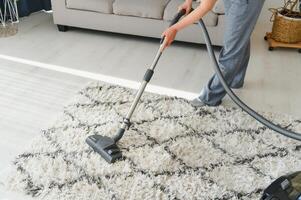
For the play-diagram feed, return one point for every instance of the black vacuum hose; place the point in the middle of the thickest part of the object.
(236, 99)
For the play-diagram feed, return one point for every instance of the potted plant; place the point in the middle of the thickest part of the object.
(8, 18)
(287, 22)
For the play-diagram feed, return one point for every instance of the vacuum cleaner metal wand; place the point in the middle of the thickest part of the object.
(147, 77)
(106, 146)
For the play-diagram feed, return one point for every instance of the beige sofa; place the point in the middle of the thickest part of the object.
(136, 17)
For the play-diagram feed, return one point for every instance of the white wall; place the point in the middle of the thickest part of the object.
(266, 14)
(264, 25)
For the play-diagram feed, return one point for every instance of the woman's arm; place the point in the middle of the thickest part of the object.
(194, 16)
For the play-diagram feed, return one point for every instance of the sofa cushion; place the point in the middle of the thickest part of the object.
(102, 6)
(171, 9)
(140, 8)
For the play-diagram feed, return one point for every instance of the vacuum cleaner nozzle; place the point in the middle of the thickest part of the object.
(105, 146)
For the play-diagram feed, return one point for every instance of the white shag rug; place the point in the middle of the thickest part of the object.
(172, 151)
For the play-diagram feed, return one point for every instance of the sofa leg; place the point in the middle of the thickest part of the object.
(62, 28)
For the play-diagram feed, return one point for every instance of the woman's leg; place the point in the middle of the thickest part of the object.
(239, 78)
(241, 17)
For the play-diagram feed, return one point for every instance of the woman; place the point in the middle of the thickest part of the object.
(241, 17)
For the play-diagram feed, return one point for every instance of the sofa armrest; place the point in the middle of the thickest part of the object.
(59, 8)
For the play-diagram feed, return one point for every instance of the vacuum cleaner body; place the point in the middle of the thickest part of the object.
(284, 188)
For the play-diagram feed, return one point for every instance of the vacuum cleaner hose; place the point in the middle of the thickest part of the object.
(235, 98)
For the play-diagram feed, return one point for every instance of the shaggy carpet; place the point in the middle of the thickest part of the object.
(172, 151)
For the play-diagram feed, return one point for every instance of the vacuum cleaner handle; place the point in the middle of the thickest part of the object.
(176, 18)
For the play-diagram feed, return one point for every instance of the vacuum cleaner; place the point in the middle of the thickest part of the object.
(107, 147)
(284, 188)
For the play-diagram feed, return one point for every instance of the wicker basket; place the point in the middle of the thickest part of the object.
(286, 29)
(9, 29)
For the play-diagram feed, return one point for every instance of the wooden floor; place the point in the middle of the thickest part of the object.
(30, 100)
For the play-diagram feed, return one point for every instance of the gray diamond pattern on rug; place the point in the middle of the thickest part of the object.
(172, 151)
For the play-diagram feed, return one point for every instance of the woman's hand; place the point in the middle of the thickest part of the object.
(169, 35)
(192, 17)
(186, 6)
